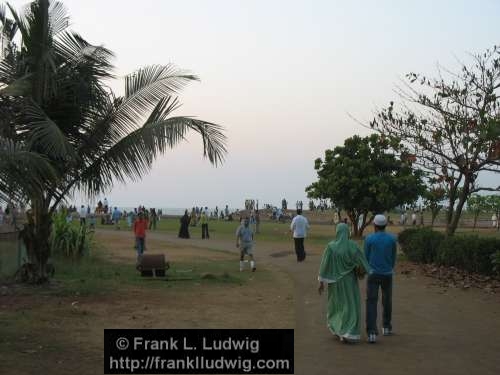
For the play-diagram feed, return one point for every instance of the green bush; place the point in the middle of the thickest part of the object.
(470, 253)
(495, 261)
(420, 245)
(67, 239)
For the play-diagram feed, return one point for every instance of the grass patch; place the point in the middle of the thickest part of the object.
(95, 275)
(269, 231)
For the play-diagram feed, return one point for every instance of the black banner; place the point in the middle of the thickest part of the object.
(198, 351)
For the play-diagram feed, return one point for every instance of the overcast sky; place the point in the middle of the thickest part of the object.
(282, 77)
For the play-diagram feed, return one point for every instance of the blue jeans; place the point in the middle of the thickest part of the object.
(140, 244)
(373, 284)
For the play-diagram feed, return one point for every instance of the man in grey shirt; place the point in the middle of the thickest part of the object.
(244, 241)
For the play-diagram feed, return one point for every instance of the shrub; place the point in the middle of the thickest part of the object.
(67, 239)
(470, 253)
(420, 245)
(495, 261)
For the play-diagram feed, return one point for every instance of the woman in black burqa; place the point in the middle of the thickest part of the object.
(184, 230)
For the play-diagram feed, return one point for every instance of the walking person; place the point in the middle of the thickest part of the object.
(340, 268)
(116, 216)
(140, 226)
(83, 215)
(193, 217)
(204, 225)
(153, 216)
(413, 218)
(184, 229)
(380, 251)
(257, 221)
(130, 218)
(299, 227)
(244, 241)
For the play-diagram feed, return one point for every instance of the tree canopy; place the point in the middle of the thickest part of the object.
(365, 176)
(450, 127)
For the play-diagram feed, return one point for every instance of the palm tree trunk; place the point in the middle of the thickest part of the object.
(36, 234)
(42, 249)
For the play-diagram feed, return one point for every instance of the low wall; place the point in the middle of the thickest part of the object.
(10, 253)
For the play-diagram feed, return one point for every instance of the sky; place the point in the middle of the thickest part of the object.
(284, 78)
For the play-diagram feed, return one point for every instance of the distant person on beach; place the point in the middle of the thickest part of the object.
(244, 241)
(116, 216)
(130, 218)
(494, 221)
(92, 221)
(380, 251)
(299, 227)
(257, 221)
(140, 226)
(153, 218)
(340, 268)
(193, 217)
(83, 215)
(184, 229)
(204, 225)
(106, 206)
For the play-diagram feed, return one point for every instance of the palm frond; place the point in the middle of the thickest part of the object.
(58, 17)
(18, 87)
(167, 79)
(16, 164)
(132, 157)
(145, 88)
(74, 51)
(9, 27)
(20, 21)
(8, 70)
(43, 134)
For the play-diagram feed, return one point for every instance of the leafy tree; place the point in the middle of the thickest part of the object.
(433, 198)
(62, 129)
(365, 176)
(477, 204)
(450, 127)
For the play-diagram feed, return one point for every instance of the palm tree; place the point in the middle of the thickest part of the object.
(63, 130)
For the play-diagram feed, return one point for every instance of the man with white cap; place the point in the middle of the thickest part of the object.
(380, 251)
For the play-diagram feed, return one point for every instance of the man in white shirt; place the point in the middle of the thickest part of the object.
(83, 214)
(299, 227)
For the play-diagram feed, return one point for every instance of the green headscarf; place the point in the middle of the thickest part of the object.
(341, 257)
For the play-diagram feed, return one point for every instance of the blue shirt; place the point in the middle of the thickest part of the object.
(116, 215)
(380, 251)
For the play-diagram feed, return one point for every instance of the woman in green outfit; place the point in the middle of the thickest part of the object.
(341, 260)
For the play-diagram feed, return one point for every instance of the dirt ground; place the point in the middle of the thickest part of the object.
(437, 330)
(67, 336)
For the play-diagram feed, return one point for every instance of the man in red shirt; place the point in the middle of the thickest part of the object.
(140, 226)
